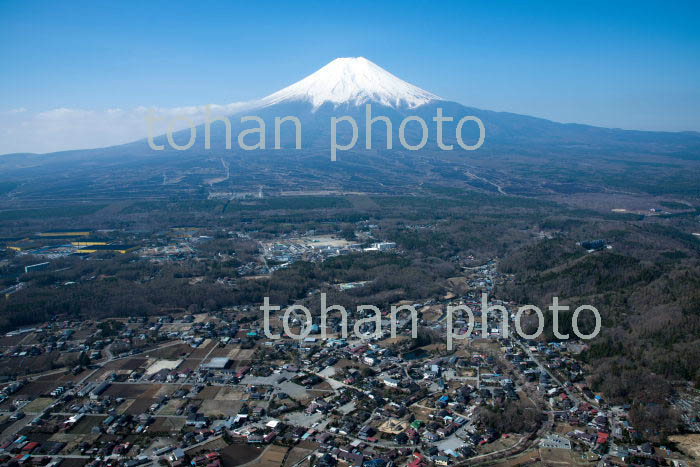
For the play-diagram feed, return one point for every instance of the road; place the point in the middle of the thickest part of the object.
(498, 187)
(574, 397)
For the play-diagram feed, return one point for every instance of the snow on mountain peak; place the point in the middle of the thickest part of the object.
(353, 80)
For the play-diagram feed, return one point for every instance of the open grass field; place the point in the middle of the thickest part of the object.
(84, 426)
(171, 407)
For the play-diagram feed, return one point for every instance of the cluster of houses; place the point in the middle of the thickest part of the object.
(375, 402)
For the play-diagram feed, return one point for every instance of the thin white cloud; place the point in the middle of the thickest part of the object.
(68, 128)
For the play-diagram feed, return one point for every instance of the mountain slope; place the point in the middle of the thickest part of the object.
(521, 154)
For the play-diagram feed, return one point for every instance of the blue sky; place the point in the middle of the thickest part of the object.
(618, 64)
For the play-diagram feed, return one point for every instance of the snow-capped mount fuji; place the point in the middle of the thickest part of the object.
(354, 81)
(520, 152)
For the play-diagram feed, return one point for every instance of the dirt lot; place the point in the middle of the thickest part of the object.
(220, 408)
(431, 313)
(564, 428)
(60, 378)
(688, 444)
(189, 364)
(562, 457)
(123, 366)
(274, 455)
(171, 352)
(323, 386)
(228, 393)
(132, 363)
(208, 393)
(525, 458)
(238, 454)
(299, 452)
(296, 455)
(160, 365)
(133, 391)
(344, 363)
(221, 351)
(37, 388)
(202, 351)
(12, 341)
(421, 413)
(239, 354)
(499, 444)
(393, 340)
(213, 445)
(486, 345)
(140, 405)
(166, 424)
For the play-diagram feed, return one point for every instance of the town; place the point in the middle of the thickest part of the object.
(212, 388)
